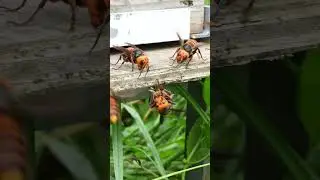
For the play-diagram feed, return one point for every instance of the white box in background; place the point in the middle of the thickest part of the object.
(152, 26)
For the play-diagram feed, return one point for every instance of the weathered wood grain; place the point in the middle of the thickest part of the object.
(58, 82)
(49, 68)
(274, 29)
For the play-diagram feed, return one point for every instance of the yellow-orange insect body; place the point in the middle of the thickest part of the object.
(12, 142)
(133, 55)
(182, 55)
(142, 62)
(114, 109)
(162, 104)
(161, 99)
(186, 51)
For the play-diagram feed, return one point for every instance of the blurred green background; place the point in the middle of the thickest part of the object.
(277, 100)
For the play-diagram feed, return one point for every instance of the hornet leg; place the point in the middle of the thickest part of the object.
(100, 32)
(174, 53)
(40, 6)
(15, 9)
(117, 61)
(73, 6)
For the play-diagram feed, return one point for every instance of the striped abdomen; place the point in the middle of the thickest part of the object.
(193, 43)
(114, 110)
(12, 149)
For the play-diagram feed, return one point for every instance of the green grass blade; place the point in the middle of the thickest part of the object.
(182, 171)
(117, 150)
(70, 156)
(183, 92)
(142, 151)
(248, 112)
(309, 99)
(206, 91)
(147, 137)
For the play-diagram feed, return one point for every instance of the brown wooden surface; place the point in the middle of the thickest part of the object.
(56, 80)
(49, 68)
(275, 28)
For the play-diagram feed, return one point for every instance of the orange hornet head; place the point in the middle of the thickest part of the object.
(142, 62)
(182, 56)
(162, 105)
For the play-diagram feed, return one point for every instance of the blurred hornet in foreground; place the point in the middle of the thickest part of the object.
(134, 55)
(13, 148)
(98, 11)
(114, 108)
(161, 99)
(186, 51)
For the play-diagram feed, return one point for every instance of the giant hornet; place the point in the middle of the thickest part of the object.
(114, 109)
(161, 99)
(98, 11)
(186, 51)
(12, 142)
(134, 55)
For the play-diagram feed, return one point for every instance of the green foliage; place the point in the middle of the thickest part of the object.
(140, 147)
(183, 92)
(80, 149)
(309, 95)
(206, 92)
(236, 106)
(69, 154)
(248, 112)
(198, 145)
(117, 150)
(147, 137)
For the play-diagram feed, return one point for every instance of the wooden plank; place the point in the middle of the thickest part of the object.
(274, 29)
(126, 84)
(46, 64)
(49, 68)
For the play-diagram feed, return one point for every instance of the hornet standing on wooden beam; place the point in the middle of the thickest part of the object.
(161, 99)
(134, 55)
(186, 51)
